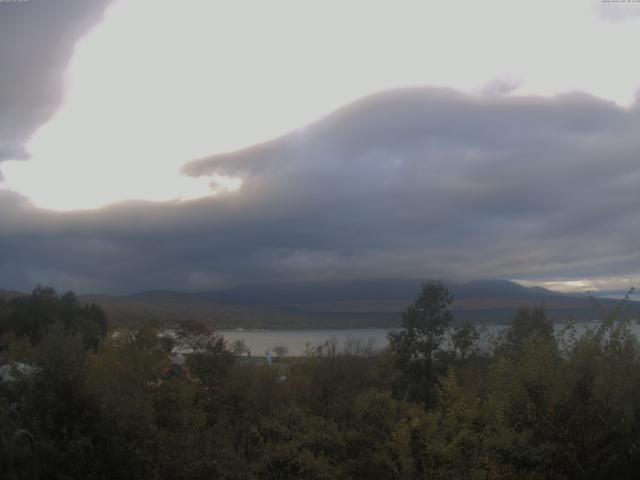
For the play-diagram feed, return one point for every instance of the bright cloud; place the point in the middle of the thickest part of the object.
(160, 82)
(618, 284)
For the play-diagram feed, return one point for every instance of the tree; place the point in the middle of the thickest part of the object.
(527, 323)
(32, 316)
(211, 362)
(464, 341)
(239, 347)
(416, 344)
(55, 402)
(280, 351)
(193, 335)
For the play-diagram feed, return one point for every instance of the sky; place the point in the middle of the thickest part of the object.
(201, 144)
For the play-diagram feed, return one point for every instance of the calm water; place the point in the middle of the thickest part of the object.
(295, 341)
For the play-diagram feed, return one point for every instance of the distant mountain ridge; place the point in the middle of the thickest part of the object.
(348, 304)
(9, 294)
(403, 289)
(365, 303)
(505, 288)
(296, 293)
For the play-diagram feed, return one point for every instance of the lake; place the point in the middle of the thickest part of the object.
(295, 341)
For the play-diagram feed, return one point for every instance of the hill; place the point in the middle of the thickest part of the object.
(9, 294)
(370, 303)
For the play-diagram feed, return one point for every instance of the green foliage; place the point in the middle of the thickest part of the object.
(450, 437)
(418, 342)
(464, 342)
(32, 316)
(55, 404)
(211, 362)
(527, 323)
(192, 335)
(239, 347)
(280, 351)
(539, 405)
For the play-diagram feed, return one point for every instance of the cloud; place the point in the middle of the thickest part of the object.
(205, 77)
(409, 183)
(36, 42)
(617, 10)
(502, 86)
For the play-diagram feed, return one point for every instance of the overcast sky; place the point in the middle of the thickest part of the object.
(199, 144)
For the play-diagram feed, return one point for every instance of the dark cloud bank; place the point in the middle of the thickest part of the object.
(412, 183)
